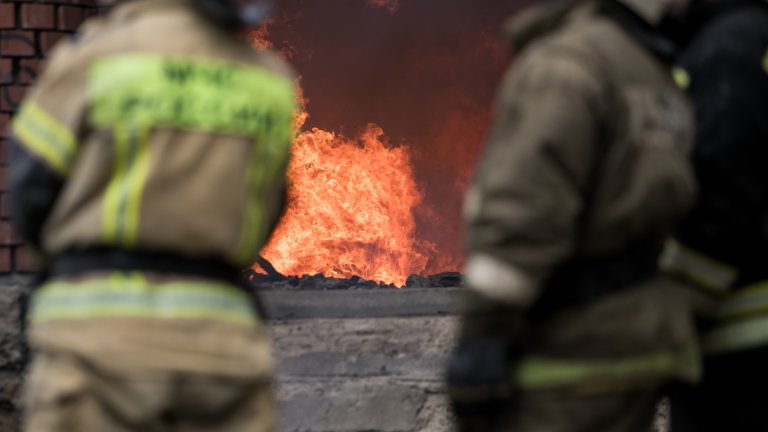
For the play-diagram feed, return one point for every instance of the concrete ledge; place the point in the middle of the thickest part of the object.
(362, 405)
(363, 374)
(13, 352)
(373, 303)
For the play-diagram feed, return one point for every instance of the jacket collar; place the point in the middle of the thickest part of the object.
(638, 21)
(128, 9)
(651, 11)
(537, 21)
(640, 28)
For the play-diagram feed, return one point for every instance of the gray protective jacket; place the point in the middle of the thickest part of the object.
(587, 161)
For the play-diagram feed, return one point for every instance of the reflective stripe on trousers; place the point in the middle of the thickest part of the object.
(541, 373)
(130, 295)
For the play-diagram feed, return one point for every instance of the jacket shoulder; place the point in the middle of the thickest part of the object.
(272, 62)
(573, 56)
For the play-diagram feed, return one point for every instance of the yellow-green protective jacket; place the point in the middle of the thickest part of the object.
(587, 159)
(168, 134)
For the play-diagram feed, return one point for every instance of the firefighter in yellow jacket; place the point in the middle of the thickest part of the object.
(148, 167)
(567, 325)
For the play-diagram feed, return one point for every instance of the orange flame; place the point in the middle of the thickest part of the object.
(351, 203)
(259, 37)
(350, 210)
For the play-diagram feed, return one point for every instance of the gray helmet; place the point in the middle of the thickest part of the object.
(255, 12)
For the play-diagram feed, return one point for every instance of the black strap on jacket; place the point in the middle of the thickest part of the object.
(75, 263)
(582, 281)
(108, 259)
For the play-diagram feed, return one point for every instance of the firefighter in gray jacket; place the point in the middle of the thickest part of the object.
(567, 324)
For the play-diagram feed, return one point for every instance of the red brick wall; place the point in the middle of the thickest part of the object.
(28, 31)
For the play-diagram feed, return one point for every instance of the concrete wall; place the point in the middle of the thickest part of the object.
(13, 354)
(354, 375)
(29, 29)
(368, 360)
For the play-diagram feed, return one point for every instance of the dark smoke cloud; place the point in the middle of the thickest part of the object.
(425, 71)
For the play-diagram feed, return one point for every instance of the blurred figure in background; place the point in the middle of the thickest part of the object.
(148, 168)
(721, 248)
(567, 323)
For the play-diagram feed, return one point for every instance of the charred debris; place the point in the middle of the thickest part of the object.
(271, 279)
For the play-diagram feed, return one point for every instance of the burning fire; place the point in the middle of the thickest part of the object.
(350, 210)
(350, 205)
(355, 206)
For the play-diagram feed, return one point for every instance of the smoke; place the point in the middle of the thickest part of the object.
(390, 5)
(426, 72)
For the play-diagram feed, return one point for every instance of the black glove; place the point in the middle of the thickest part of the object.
(479, 375)
(479, 382)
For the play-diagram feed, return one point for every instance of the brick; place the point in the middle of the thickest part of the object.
(16, 240)
(6, 71)
(6, 232)
(91, 12)
(11, 97)
(5, 205)
(4, 150)
(17, 43)
(70, 17)
(48, 40)
(38, 16)
(7, 16)
(29, 69)
(5, 121)
(92, 3)
(25, 261)
(5, 260)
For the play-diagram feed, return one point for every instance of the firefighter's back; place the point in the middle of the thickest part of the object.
(169, 138)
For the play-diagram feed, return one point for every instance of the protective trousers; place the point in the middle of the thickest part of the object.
(68, 393)
(555, 412)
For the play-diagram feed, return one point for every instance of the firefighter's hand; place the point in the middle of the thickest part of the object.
(479, 382)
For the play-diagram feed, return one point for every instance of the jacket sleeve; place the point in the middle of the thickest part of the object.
(524, 205)
(34, 187)
(44, 146)
(729, 89)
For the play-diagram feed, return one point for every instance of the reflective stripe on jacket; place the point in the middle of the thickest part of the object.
(740, 319)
